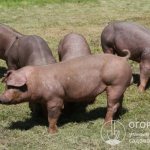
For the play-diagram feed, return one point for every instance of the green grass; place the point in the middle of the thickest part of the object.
(52, 20)
(23, 3)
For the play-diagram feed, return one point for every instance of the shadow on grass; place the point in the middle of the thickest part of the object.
(77, 116)
(28, 123)
(136, 79)
(87, 116)
(3, 70)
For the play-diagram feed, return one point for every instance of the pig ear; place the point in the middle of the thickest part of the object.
(15, 79)
(6, 75)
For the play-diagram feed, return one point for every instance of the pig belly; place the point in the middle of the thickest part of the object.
(84, 88)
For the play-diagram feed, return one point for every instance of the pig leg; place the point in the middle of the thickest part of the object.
(114, 101)
(54, 108)
(120, 108)
(144, 76)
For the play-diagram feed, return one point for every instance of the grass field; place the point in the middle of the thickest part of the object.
(52, 19)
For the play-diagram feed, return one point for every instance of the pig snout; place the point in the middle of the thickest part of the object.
(4, 100)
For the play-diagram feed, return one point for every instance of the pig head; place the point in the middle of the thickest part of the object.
(16, 88)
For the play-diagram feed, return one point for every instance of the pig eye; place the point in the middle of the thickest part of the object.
(21, 88)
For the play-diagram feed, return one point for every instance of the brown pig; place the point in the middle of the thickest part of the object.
(117, 36)
(73, 45)
(76, 80)
(20, 50)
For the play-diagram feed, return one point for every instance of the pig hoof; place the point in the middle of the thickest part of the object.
(52, 131)
(141, 89)
(108, 122)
